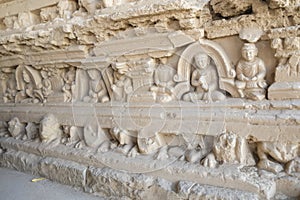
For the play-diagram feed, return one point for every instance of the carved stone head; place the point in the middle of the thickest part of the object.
(249, 51)
(202, 60)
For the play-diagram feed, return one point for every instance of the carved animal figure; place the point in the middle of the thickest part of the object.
(16, 128)
(50, 130)
(123, 137)
(280, 152)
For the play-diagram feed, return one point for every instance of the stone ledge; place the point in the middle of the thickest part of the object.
(278, 120)
(80, 165)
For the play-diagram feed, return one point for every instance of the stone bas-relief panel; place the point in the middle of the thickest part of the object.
(159, 86)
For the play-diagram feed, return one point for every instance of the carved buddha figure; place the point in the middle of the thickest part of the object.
(205, 80)
(122, 84)
(97, 91)
(251, 72)
(164, 84)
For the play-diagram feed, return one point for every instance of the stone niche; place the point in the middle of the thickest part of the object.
(147, 99)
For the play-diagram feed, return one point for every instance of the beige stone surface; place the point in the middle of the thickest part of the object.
(176, 98)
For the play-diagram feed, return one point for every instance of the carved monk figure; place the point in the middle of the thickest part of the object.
(251, 72)
(205, 80)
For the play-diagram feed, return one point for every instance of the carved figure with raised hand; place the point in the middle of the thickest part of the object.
(97, 90)
(251, 72)
(164, 84)
(50, 131)
(16, 128)
(69, 84)
(205, 80)
(122, 84)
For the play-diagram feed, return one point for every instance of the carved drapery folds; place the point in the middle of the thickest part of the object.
(152, 77)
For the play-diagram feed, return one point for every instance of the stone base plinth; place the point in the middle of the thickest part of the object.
(112, 173)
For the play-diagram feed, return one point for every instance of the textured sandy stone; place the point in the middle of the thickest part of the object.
(230, 8)
(143, 89)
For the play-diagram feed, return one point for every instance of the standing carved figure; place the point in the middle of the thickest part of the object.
(46, 85)
(69, 85)
(251, 72)
(205, 80)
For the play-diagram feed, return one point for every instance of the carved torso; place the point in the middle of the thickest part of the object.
(249, 69)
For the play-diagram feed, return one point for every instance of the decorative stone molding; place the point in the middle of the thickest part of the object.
(139, 98)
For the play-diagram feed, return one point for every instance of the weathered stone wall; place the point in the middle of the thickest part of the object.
(177, 93)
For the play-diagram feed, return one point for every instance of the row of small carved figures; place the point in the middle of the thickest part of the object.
(35, 86)
(227, 147)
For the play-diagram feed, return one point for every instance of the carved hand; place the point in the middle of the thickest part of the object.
(254, 78)
(205, 86)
